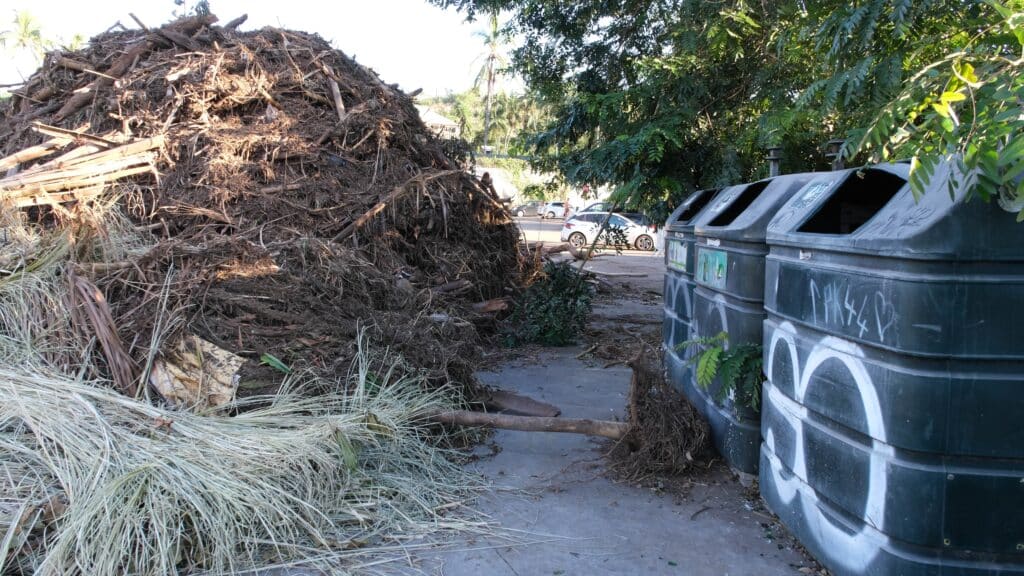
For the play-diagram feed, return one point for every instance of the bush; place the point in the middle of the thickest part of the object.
(552, 311)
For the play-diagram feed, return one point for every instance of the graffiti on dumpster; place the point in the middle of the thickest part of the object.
(853, 550)
(836, 303)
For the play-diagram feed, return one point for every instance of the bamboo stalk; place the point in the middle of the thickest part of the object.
(33, 152)
(66, 173)
(67, 191)
(139, 22)
(89, 165)
(74, 134)
(63, 160)
(59, 198)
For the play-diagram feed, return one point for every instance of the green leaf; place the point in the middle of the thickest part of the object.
(347, 451)
(275, 363)
(707, 366)
(1013, 172)
(950, 97)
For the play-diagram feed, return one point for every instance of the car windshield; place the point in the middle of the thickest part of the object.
(640, 219)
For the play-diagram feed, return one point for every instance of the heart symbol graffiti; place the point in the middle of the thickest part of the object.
(885, 315)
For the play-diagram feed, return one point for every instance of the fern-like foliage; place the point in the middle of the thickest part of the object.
(738, 369)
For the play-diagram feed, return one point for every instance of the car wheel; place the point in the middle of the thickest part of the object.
(644, 242)
(520, 213)
(577, 240)
(549, 215)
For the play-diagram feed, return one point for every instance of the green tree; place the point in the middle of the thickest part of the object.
(660, 97)
(494, 60)
(942, 81)
(25, 34)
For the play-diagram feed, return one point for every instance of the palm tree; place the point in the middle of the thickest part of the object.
(25, 35)
(494, 61)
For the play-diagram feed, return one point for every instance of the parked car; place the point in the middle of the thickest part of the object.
(600, 207)
(581, 229)
(531, 208)
(553, 210)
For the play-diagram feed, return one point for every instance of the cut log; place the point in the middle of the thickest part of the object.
(236, 22)
(523, 405)
(605, 428)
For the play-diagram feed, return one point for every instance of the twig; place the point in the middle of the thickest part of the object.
(380, 206)
(282, 188)
(139, 22)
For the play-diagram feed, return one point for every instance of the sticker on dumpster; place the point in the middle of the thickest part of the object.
(677, 251)
(812, 193)
(712, 267)
(723, 202)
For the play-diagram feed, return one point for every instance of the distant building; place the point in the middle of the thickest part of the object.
(441, 127)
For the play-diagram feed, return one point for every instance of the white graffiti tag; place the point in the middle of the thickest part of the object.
(854, 551)
(836, 304)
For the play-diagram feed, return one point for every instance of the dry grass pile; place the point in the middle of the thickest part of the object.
(277, 195)
(98, 483)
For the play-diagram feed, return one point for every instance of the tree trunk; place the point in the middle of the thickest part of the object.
(605, 428)
(487, 102)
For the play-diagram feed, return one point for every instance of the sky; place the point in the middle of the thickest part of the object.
(408, 42)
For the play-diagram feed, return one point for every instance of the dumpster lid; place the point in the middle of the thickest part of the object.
(871, 210)
(742, 212)
(683, 216)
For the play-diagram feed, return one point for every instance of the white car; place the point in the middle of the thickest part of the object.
(553, 210)
(581, 229)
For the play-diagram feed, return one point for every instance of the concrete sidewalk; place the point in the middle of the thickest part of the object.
(551, 488)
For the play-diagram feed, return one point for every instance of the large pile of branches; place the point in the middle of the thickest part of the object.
(278, 196)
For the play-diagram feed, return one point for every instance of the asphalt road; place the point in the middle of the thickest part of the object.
(536, 229)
